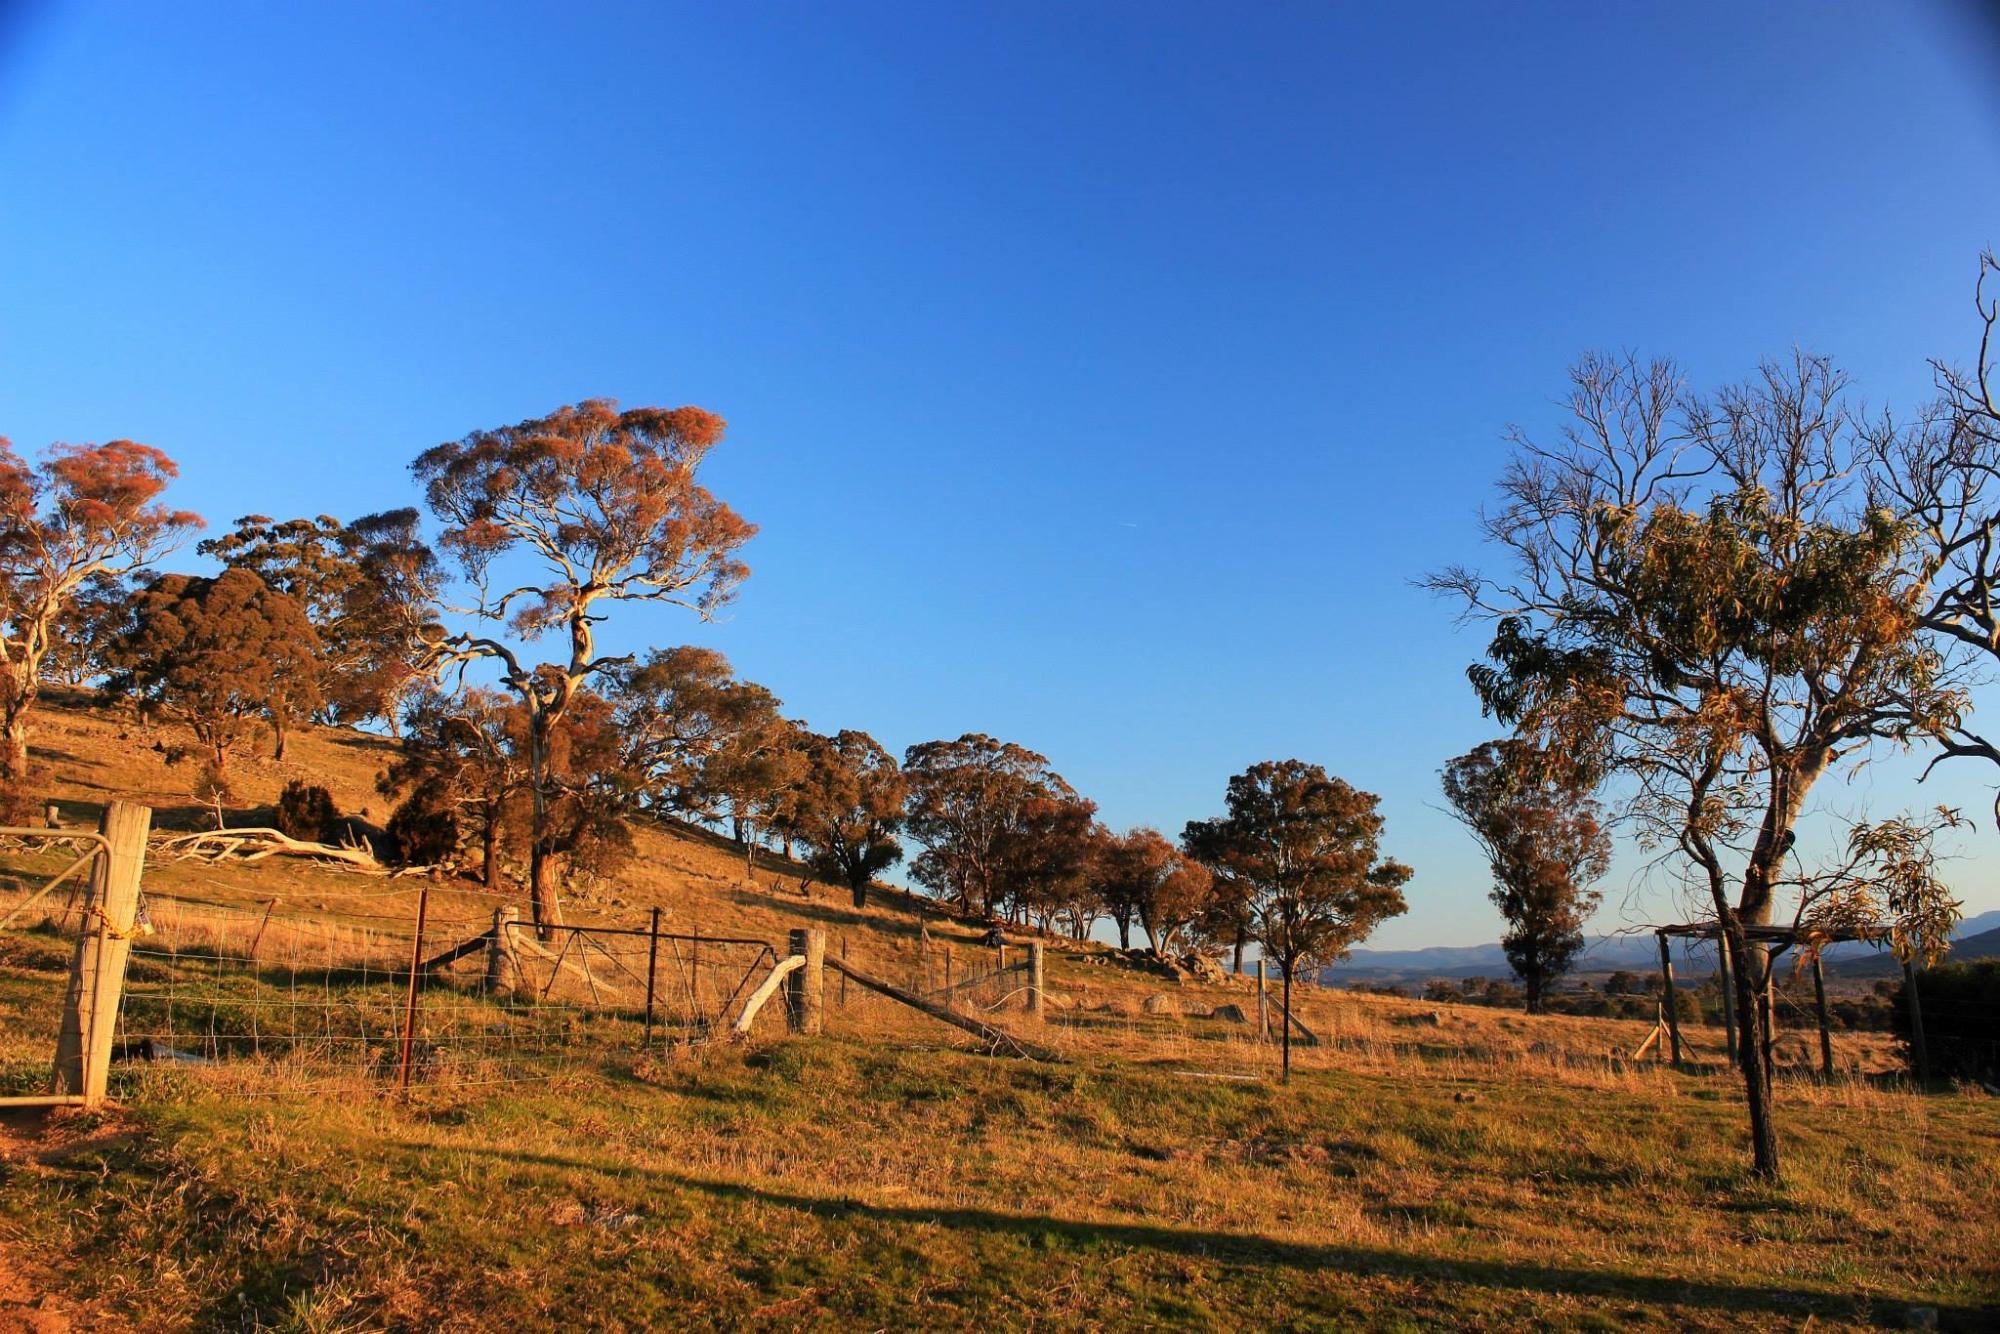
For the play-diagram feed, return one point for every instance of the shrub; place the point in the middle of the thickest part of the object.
(1961, 1009)
(423, 829)
(306, 811)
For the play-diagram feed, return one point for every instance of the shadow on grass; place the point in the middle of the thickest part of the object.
(1252, 1249)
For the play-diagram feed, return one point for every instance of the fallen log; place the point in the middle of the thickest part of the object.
(456, 952)
(998, 1038)
(254, 845)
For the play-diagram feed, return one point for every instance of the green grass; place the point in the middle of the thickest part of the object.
(844, 1185)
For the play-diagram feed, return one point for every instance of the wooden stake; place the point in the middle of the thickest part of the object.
(805, 989)
(258, 939)
(1825, 1027)
(1263, 1006)
(503, 965)
(97, 970)
(1917, 1047)
(1723, 958)
(1037, 997)
(1673, 1013)
(410, 1001)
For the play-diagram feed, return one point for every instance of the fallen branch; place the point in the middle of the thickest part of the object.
(254, 845)
(998, 1038)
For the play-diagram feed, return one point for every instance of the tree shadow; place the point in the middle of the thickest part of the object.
(1244, 1248)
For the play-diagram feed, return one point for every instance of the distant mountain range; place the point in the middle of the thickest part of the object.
(1977, 937)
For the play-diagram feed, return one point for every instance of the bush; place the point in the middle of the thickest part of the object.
(306, 811)
(423, 829)
(1961, 1008)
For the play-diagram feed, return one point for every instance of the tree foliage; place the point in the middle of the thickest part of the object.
(967, 802)
(1545, 842)
(226, 656)
(83, 511)
(369, 589)
(847, 809)
(592, 506)
(1305, 847)
(1704, 601)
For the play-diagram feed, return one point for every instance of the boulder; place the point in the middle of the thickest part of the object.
(1229, 1014)
(1161, 1003)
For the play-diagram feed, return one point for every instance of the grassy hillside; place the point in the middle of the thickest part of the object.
(1429, 1165)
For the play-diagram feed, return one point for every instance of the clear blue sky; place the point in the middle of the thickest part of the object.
(1100, 375)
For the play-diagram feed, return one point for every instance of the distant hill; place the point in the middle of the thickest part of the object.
(1984, 945)
(1977, 937)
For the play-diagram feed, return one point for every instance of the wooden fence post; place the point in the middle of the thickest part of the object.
(97, 971)
(503, 964)
(1917, 1047)
(805, 988)
(1037, 997)
(1723, 957)
(1825, 1027)
(1673, 1016)
(258, 939)
(1263, 1006)
(410, 1002)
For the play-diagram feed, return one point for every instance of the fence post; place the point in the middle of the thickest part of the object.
(1263, 1006)
(1724, 956)
(1825, 1026)
(410, 1001)
(805, 988)
(1673, 1012)
(258, 939)
(97, 971)
(1037, 996)
(1917, 1048)
(652, 972)
(503, 965)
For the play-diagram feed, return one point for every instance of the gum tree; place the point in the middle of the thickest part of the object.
(1304, 847)
(847, 809)
(1545, 842)
(83, 512)
(1703, 602)
(589, 507)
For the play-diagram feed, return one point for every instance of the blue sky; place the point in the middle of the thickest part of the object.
(1100, 375)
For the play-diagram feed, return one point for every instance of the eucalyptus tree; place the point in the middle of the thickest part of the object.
(588, 507)
(1304, 847)
(1545, 843)
(1703, 601)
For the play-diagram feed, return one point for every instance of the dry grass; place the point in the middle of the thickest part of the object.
(1429, 1165)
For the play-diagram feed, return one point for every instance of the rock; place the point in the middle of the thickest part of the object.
(1427, 1019)
(1229, 1014)
(1463, 1096)
(1921, 1317)
(1161, 1003)
(1202, 968)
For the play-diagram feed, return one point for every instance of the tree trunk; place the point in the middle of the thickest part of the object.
(14, 750)
(1125, 931)
(279, 733)
(539, 904)
(860, 889)
(1750, 1049)
(490, 853)
(1532, 984)
(1242, 935)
